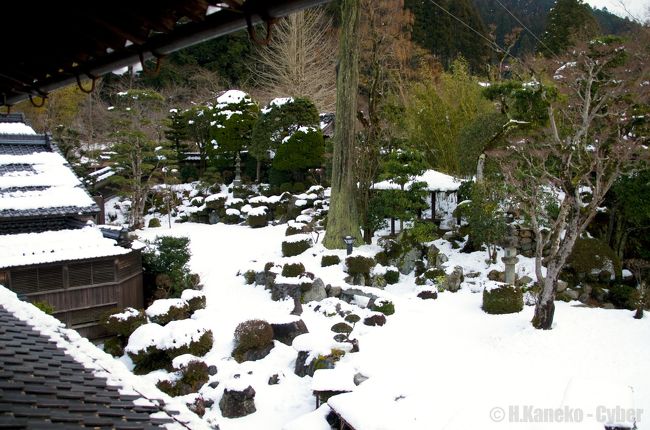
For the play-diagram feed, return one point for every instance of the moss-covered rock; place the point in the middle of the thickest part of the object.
(329, 260)
(384, 306)
(504, 299)
(341, 328)
(359, 264)
(154, 222)
(191, 378)
(293, 270)
(253, 340)
(295, 245)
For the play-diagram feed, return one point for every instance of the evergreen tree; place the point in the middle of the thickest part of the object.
(236, 115)
(568, 22)
(445, 37)
(141, 152)
(277, 122)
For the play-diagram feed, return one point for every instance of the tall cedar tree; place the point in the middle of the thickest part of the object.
(568, 22)
(343, 218)
(596, 130)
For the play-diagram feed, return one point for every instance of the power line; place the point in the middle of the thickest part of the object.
(492, 43)
(524, 26)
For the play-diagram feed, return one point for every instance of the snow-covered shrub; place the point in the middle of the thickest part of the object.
(296, 228)
(152, 347)
(124, 323)
(164, 311)
(375, 320)
(257, 217)
(291, 270)
(384, 306)
(359, 264)
(252, 335)
(329, 260)
(191, 378)
(391, 276)
(623, 296)
(233, 216)
(195, 299)
(502, 299)
(295, 245)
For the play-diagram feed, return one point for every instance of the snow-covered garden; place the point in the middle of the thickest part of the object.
(438, 361)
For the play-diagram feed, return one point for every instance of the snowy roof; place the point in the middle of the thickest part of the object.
(51, 246)
(36, 181)
(436, 181)
(53, 378)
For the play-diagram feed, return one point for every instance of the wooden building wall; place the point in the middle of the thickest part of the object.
(81, 292)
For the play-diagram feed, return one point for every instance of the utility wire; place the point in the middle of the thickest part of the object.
(525, 27)
(492, 43)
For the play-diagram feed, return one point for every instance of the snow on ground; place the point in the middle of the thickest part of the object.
(436, 364)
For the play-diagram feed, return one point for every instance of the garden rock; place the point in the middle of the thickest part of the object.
(287, 332)
(212, 370)
(236, 404)
(561, 285)
(495, 275)
(316, 292)
(454, 279)
(281, 291)
(407, 263)
(334, 292)
(255, 354)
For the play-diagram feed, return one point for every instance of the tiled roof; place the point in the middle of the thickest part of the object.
(52, 378)
(36, 181)
(12, 117)
(43, 387)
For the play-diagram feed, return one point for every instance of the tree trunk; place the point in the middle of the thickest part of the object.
(342, 219)
(545, 307)
(258, 171)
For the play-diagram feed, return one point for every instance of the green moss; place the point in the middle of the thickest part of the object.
(154, 222)
(293, 270)
(257, 221)
(291, 249)
(329, 260)
(359, 264)
(352, 318)
(506, 299)
(44, 307)
(589, 255)
(386, 307)
(391, 276)
(249, 276)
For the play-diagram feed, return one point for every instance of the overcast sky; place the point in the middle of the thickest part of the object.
(638, 8)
